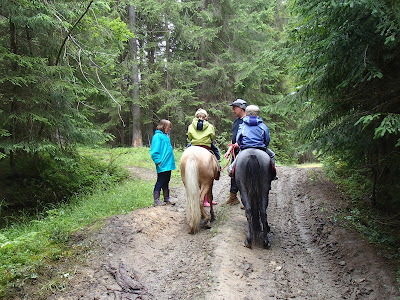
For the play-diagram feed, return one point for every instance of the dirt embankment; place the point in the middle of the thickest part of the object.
(148, 254)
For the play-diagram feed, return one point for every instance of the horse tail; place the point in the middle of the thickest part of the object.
(193, 214)
(254, 182)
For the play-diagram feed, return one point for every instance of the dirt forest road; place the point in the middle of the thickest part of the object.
(148, 254)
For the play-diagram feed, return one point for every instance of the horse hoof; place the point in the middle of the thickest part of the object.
(267, 245)
(247, 244)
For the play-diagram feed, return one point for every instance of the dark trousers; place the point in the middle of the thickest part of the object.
(163, 179)
(234, 189)
(214, 149)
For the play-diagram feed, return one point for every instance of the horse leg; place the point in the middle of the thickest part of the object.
(247, 207)
(266, 229)
(210, 197)
(249, 236)
(204, 214)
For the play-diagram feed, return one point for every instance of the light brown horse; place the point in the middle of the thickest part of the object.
(199, 168)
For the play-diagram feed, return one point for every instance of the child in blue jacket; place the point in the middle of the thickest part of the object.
(253, 133)
(162, 154)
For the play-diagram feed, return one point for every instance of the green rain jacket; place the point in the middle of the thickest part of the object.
(200, 132)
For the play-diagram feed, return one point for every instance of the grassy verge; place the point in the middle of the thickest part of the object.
(27, 249)
(379, 227)
(138, 157)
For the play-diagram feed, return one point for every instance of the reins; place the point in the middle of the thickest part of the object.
(229, 157)
(226, 163)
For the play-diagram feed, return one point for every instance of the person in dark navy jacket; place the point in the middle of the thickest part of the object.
(238, 109)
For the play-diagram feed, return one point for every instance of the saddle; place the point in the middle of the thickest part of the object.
(206, 147)
(213, 154)
(272, 167)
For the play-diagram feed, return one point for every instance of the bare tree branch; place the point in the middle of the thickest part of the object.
(69, 32)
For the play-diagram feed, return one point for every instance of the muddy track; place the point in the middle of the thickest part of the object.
(148, 254)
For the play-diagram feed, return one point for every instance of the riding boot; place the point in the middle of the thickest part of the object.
(206, 203)
(232, 200)
(156, 196)
(167, 199)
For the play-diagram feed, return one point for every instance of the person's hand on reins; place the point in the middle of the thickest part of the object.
(231, 147)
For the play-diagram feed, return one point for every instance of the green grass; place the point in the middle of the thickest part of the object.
(28, 248)
(310, 165)
(139, 157)
(25, 247)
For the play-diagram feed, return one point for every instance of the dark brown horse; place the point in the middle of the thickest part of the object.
(199, 168)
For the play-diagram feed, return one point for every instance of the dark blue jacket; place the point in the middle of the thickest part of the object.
(253, 133)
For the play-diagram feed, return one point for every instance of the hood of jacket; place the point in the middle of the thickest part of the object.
(252, 120)
(200, 124)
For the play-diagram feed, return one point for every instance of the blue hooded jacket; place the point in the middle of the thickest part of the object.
(253, 133)
(161, 152)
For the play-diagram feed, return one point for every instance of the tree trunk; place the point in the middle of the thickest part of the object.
(167, 58)
(134, 81)
(203, 58)
(14, 67)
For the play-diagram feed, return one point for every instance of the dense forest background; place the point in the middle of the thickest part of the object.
(103, 73)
